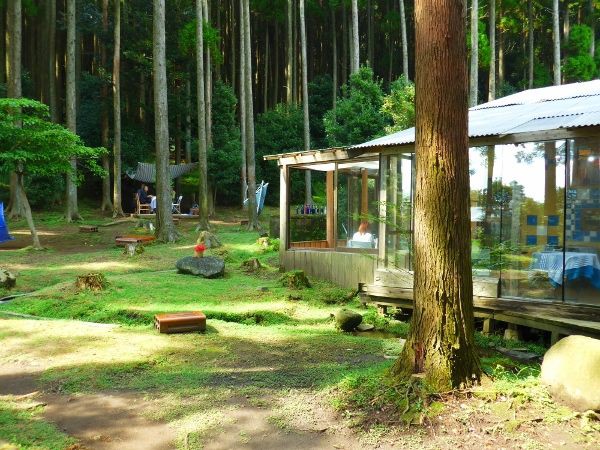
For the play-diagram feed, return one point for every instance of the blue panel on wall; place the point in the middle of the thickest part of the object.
(531, 239)
(553, 221)
(532, 220)
(553, 241)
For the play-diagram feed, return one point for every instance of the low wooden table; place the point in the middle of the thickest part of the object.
(133, 239)
(88, 229)
(181, 322)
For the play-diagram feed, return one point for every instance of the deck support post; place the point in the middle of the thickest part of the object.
(488, 326)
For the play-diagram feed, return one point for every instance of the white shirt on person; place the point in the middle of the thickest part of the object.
(366, 237)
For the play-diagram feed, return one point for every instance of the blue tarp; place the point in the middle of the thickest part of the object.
(261, 194)
(4, 234)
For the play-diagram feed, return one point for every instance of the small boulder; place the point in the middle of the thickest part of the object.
(209, 239)
(365, 327)
(8, 280)
(207, 267)
(347, 320)
(571, 369)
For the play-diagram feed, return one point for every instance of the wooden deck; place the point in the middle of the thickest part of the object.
(560, 319)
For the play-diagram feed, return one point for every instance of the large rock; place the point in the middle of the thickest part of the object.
(571, 369)
(347, 320)
(7, 279)
(207, 267)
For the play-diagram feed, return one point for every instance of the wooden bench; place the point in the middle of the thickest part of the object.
(88, 229)
(181, 322)
(121, 241)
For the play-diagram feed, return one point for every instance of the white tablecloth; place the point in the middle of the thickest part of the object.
(153, 203)
(552, 262)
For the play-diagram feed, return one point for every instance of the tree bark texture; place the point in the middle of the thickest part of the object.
(290, 52)
(307, 177)
(72, 211)
(531, 49)
(404, 40)
(104, 126)
(27, 211)
(334, 62)
(52, 91)
(556, 42)
(355, 38)
(208, 82)
(250, 155)
(202, 144)
(474, 73)
(117, 189)
(441, 342)
(14, 37)
(492, 77)
(165, 228)
(242, 79)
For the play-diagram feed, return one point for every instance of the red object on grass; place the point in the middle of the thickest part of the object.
(199, 250)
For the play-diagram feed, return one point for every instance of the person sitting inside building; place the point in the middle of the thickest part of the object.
(362, 238)
(143, 196)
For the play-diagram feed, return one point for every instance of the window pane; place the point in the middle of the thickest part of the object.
(582, 268)
(308, 219)
(531, 248)
(487, 198)
(357, 205)
(399, 212)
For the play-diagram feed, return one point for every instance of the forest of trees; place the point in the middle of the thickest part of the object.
(226, 82)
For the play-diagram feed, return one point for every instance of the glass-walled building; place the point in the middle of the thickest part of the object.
(534, 190)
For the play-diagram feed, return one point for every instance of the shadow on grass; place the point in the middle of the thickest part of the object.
(214, 360)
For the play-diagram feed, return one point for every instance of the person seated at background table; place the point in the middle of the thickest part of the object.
(362, 235)
(143, 195)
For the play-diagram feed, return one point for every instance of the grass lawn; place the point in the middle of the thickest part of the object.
(270, 372)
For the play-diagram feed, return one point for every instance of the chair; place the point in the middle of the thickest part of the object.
(177, 206)
(142, 208)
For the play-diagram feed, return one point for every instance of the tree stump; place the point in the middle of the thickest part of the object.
(251, 265)
(133, 248)
(295, 279)
(209, 240)
(93, 281)
(7, 279)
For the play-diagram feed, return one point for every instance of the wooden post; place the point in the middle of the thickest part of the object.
(488, 326)
(284, 208)
(383, 161)
(330, 210)
(364, 194)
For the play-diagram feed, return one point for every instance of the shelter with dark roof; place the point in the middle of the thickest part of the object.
(535, 211)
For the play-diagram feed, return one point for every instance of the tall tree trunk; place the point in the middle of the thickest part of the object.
(345, 44)
(52, 92)
(566, 21)
(117, 189)
(250, 161)
(370, 35)
(290, 52)
(14, 36)
(355, 38)
(492, 77)
(591, 20)
(404, 40)
(531, 49)
(474, 73)
(3, 52)
(104, 127)
(440, 343)
(27, 210)
(334, 62)
(72, 212)
(188, 117)
(556, 42)
(242, 80)
(308, 179)
(200, 95)
(165, 228)
(265, 76)
(208, 83)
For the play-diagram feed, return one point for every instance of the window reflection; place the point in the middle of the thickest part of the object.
(399, 186)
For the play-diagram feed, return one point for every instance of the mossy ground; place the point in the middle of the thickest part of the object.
(268, 350)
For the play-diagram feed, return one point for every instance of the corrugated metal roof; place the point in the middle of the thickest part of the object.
(549, 108)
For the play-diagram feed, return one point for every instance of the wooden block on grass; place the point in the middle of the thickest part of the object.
(88, 229)
(133, 239)
(181, 322)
